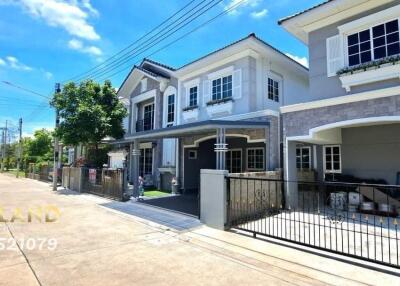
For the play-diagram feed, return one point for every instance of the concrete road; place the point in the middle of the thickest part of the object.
(93, 244)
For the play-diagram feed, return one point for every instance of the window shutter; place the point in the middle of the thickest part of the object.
(237, 84)
(206, 92)
(334, 55)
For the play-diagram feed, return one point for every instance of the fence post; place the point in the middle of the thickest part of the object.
(213, 196)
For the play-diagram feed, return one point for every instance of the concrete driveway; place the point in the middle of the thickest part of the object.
(104, 243)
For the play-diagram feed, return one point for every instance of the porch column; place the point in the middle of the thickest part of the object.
(135, 165)
(291, 185)
(220, 149)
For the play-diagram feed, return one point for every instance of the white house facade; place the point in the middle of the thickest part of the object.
(221, 111)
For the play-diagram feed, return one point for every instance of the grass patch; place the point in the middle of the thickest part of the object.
(153, 192)
(14, 172)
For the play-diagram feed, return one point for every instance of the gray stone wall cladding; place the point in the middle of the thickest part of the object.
(300, 122)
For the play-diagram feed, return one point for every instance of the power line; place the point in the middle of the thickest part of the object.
(24, 89)
(226, 11)
(135, 42)
(155, 40)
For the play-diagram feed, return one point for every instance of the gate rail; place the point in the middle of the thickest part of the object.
(356, 220)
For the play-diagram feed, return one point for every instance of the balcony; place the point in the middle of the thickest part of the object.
(145, 124)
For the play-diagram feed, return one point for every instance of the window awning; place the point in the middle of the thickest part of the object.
(189, 129)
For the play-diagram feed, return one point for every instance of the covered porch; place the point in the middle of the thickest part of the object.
(359, 151)
(206, 145)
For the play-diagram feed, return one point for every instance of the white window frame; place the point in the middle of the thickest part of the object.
(144, 159)
(170, 123)
(192, 157)
(221, 77)
(301, 157)
(332, 171)
(154, 113)
(247, 159)
(188, 95)
(241, 158)
(364, 23)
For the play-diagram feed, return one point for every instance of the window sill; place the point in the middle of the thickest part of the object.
(370, 73)
(190, 113)
(219, 101)
(220, 106)
(190, 108)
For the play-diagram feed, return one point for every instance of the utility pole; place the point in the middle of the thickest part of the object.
(20, 147)
(3, 154)
(2, 150)
(56, 147)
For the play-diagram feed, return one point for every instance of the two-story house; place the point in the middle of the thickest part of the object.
(349, 127)
(220, 111)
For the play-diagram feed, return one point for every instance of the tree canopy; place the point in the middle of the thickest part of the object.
(89, 112)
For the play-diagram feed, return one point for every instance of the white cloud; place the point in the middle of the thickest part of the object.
(47, 74)
(241, 5)
(77, 45)
(14, 63)
(70, 15)
(259, 14)
(301, 60)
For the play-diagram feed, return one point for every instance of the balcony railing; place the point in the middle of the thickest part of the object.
(145, 124)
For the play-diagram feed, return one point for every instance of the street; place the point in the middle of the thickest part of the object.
(87, 242)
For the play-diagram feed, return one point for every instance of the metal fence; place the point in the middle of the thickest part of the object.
(357, 220)
(104, 182)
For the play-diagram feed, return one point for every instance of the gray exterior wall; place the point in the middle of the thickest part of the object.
(321, 86)
(300, 122)
(254, 95)
(206, 158)
(372, 152)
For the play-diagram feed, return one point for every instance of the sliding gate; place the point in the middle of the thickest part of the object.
(356, 220)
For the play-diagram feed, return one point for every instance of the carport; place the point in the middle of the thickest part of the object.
(217, 130)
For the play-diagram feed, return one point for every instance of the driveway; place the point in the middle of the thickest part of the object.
(99, 242)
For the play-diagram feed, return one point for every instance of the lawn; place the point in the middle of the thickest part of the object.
(14, 172)
(153, 192)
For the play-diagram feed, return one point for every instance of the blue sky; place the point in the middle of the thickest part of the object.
(48, 41)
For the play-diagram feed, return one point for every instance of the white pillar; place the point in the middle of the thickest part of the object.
(291, 185)
(135, 165)
(213, 198)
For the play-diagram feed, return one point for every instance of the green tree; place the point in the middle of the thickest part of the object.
(89, 113)
(38, 149)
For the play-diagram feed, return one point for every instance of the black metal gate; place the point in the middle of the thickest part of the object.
(356, 220)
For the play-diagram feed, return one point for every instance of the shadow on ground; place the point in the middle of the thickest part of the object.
(176, 221)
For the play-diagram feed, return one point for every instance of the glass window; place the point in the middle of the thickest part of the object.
(222, 88)
(146, 162)
(303, 158)
(171, 110)
(273, 89)
(193, 96)
(332, 159)
(359, 48)
(386, 39)
(148, 117)
(255, 159)
(234, 161)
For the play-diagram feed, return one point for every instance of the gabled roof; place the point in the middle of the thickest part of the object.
(304, 11)
(158, 64)
(327, 13)
(252, 35)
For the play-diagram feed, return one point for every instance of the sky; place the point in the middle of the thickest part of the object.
(47, 41)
